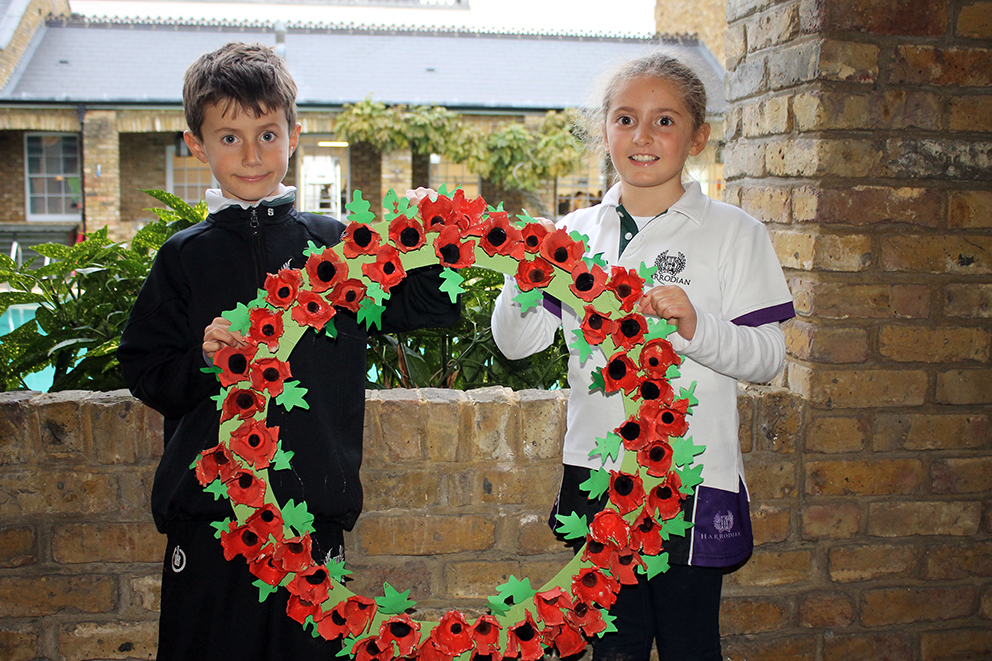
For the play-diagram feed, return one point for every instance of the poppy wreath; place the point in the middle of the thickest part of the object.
(658, 468)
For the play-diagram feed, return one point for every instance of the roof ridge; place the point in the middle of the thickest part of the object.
(79, 20)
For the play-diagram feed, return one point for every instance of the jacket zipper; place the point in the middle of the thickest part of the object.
(256, 246)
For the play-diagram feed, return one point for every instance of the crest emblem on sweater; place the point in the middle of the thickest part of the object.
(669, 267)
(723, 522)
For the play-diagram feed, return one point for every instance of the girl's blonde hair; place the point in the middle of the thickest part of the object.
(666, 68)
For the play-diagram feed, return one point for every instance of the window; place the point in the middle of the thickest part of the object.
(185, 176)
(455, 175)
(53, 181)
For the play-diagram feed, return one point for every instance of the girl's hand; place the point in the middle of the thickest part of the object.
(672, 304)
(416, 195)
(217, 335)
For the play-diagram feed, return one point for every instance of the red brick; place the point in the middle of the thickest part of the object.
(108, 640)
(857, 564)
(975, 20)
(770, 524)
(934, 345)
(886, 17)
(542, 421)
(767, 568)
(17, 546)
(868, 205)
(826, 344)
(19, 432)
(833, 521)
(833, 435)
(965, 475)
(425, 534)
(864, 477)
(779, 419)
(409, 489)
(964, 387)
(825, 610)
(904, 605)
(47, 595)
(831, 300)
(107, 542)
(931, 432)
(860, 388)
(416, 576)
(968, 301)
(931, 65)
(874, 646)
(18, 645)
(477, 580)
(960, 519)
(954, 254)
(973, 643)
(741, 615)
(948, 562)
(57, 492)
(444, 424)
(534, 536)
(789, 648)
(770, 479)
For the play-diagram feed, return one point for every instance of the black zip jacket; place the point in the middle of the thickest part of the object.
(211, 267)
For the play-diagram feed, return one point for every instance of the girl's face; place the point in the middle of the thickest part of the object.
(649, 134)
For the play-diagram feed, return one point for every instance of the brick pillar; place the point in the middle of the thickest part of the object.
(365, 166)
(861, 133)
(101, 173)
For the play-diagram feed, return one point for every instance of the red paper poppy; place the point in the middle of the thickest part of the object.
(656, 357)
(326, 269)
(531, 274)
(656, 390)
(241, 540)
(608, 527)
(550, 604)
(645, 534)
(312, 310)
(359, 239)
(587, 283)
(533, 235)
(656, 457)
(562, 250)
(524, 641)
(485, 635)
(665, 500)
(348, 294)
(429, 652)
(213, 463)
(406, 234)
(268, 374)
(587, 618)
(312, 584)
(293, 554)
(281, 289)
(623, 565)
(234, 362)
(636, 433)
(266, 522)
(598, 553)
(255, 443)
(499, 236)
(627, 286)
(265, 327)
(593, 586)
(669, 420)
(299, 609)
(435, 213)
(630, 331)
(452, 635)
(246, 488)
(626, 491)
(387, 269)
(466, 212)
(264, 568)
(566, 638)
(349, 618)
(403, 631)
(242, 404)
(596, 326)
(452, 251)
(620, 373)
(372, 649)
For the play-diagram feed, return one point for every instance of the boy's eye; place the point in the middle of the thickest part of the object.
(228, 139)
(268, 136)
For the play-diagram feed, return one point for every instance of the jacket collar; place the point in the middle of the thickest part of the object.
(216, 201)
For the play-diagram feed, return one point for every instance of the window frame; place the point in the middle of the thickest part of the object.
(31, 217)
(170, 176)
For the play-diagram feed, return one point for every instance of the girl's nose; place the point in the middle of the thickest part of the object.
(642, 134)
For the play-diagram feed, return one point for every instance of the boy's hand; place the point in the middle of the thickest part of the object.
(672, 304)
(419, 193)
(546, 223)
(217, 335)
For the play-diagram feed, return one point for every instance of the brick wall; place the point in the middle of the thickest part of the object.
(861, 133)
(12, 173)
(143, 167)
(102, 173)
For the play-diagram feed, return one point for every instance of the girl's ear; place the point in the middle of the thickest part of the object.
(699, 140)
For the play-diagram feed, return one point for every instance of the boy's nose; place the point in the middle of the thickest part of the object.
(251, 156)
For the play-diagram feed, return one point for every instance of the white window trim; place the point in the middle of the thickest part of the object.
(51, 217)
(170, 177)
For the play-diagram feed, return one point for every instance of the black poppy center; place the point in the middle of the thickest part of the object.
(532, 241)
(372, 648)
(220, 458)
(362, 236)
(268, 330)
(668, 417)
(630, 328)
(595, 321)
(483, 628)
(283, 292)
(456, 628)
(585, 281)
(623, 485)
(653, 361)
(437, 220)
(270, 374)
(245, 401)
(326, 271)
(350, 296)
(664, 492)
(623, 290)
(650, 390)
(647, 525)
(581, 609)
(295, 548)
(249, 538)
(338, 619)
(496, 236)
(245, 480)
(388, 268)
(630, 430)
(313, 307)
(400, 629)
(525, 632)
(560, 254)
(617, 369)
(626, 560)
(268, 516)
(590, 580)
(317, 577)
(450, 253)
(657, 453)
(537, 275)
(595, 547)
(237, 364)
(254, 440)
(409, 237)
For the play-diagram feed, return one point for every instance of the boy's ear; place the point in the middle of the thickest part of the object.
(700, 139)
(195, 146)
(294, 138)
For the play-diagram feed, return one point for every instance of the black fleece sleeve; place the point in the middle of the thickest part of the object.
(418, 302)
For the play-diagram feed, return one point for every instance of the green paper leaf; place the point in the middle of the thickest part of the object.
(609, 619)
(597, 381)
(597, 484)
(259, 302)
(690, 394)
(598, 259)
(654, 565)
(672, 372)
(674, 526)
(608, 447)
(311, 622)
(443, 190)
(529, 299)
(498, 606)
(292, 396)
(691, 478)
(452, 285)
(393, 602)
(213, 369)
(335, 569)
(581, 345)
(330, 329)
(519, 591)
(658, 329)
(493, 209)
(217, 488)
(312, 248)
(281, 458)
(346, 646)
(298, 517)
(576, 235)
(525, 218)
(370, 313)
(389, 200)
(264, 589)
(219, 398)
(684, 451)
(646, 271)
(238, 318)
(375, 292)
(359, 209)
(220, 526)
(573, 526)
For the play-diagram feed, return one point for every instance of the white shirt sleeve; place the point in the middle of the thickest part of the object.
(754, 354)
(520, 334)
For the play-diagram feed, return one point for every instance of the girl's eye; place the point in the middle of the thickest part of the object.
(624, 120)
(666, 121)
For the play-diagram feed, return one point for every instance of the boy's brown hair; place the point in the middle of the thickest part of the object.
(250, 76)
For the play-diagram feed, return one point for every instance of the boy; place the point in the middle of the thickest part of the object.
(240, 108)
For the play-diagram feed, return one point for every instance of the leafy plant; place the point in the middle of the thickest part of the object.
(84, 295)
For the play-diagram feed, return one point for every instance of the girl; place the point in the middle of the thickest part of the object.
(719, 283)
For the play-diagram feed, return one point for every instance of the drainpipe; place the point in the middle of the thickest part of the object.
(81, 115)
(281, 39)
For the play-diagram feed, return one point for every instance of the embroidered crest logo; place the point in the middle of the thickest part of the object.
(669, 266)
(723, 522)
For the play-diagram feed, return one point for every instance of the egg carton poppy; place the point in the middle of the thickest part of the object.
(657, 472)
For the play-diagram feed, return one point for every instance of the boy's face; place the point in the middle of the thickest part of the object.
(249, 156)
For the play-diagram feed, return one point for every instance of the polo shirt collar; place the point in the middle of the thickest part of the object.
(693, 204)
